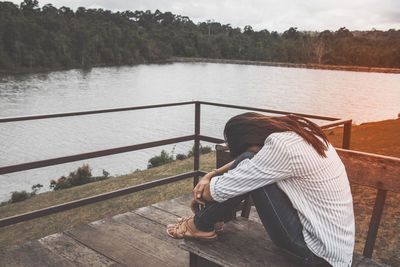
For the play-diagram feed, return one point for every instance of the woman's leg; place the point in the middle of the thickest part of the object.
(282, 223)
(205, 219)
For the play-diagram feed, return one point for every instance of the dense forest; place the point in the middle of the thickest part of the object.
(51, 38)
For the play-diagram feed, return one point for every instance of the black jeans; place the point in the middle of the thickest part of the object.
(276, 212)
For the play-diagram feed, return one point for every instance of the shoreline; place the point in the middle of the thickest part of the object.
(22, 71)
(290, 65)
(213, 60)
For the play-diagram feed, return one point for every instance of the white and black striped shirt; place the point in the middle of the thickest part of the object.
(318, 188)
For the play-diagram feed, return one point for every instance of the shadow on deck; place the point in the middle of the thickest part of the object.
(139, 238)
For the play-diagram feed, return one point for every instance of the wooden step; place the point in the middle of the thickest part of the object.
(139, 238)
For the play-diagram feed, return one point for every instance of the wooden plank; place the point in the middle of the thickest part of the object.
(197, 261)
(185, 199)
(148, 226)
(139, 239)
(74, 252)
(244, 243)
(157, 215)
(176, 207)
(31, 254)
(158, 231)
(143, 242)
(373, 170)
(112, 245)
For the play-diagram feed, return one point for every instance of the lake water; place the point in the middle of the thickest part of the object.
(360, 96)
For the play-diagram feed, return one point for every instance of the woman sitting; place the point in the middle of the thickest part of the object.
(298, 184)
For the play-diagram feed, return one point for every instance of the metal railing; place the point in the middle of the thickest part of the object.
(196, 137)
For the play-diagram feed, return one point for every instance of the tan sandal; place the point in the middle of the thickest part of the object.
(183, 230)
(218, 227)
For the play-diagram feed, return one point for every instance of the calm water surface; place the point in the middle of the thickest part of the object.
(361, 96)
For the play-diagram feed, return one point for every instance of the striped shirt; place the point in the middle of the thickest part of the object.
(317, 187)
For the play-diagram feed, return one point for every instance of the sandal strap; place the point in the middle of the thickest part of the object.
(180, 229)
(184, 219)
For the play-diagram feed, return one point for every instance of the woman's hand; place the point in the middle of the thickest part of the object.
(195, 207)
(199, 189)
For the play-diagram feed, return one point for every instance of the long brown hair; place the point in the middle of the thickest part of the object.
(251, 129)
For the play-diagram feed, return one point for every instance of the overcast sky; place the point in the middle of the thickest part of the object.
(265, 14)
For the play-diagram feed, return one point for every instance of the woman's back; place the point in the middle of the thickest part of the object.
(320, 192)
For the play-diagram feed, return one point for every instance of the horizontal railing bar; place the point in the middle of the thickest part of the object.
(90, 112)
(93, 199)
(378, 157)
(201, 173)
(335, 123)
(89, 155)
(270, 111)
(325, 126)
(211, 139)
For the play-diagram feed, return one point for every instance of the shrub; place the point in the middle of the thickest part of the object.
(80, 176)
(205, 149)
(61, 183)
(106, 174)
(181, 156)
(166, 157)
(36, 188)
(18, 196)
(161, 159)
(202, 150)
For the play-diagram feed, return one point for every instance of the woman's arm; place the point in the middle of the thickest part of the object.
(224, 168)
(202, 190)
(273, 162)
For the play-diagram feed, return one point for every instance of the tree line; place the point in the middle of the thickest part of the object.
(51, 38)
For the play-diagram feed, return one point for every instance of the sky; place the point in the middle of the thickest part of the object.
(306, 15)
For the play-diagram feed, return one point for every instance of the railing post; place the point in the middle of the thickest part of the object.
(346, 135)
(196, 152)
(374, 223)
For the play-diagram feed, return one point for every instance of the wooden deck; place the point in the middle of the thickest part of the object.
(139, 238)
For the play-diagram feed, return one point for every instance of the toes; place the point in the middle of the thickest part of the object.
(171, 227)
(171, 231)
